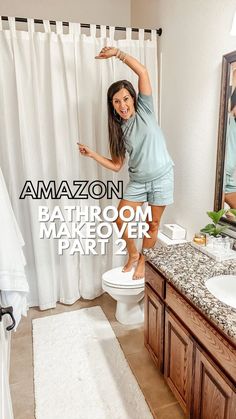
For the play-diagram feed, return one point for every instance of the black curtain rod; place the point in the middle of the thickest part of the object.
(83, 25)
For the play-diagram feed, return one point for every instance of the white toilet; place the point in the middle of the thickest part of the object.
(127, 292)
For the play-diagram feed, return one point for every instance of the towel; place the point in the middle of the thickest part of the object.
(13, 283)
(6, 411)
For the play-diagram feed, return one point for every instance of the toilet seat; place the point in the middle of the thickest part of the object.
(136, 286)
(115, 278)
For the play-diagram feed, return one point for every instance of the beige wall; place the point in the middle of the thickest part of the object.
(195, 36)
(109, 12)
(145, 13)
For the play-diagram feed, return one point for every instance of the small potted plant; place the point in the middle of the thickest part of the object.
(213, 229)
(213, 232)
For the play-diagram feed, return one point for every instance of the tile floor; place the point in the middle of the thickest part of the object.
(160, 399)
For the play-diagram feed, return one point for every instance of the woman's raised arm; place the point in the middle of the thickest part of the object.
(144, 84)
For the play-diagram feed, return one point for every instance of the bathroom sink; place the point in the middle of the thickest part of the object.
(223, 287)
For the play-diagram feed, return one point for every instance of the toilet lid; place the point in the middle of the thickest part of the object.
(118, 279)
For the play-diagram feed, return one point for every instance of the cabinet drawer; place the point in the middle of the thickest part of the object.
(155, 280)
(220, 349)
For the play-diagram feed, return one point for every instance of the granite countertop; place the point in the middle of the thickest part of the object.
(188, 269)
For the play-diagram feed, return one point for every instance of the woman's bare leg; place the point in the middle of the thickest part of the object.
(230, 199)
(157, 212)
(133, 254)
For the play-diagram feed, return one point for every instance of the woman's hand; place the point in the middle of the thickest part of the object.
(107, 52)
(85, 151)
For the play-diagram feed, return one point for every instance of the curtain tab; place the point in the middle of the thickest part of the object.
(103, 31)
(93, 30)
(30, 23)
(47, 27)
(74, 28)
(12, 23)
(59, 28)
(128, 33)
(112, 33)
(141, 34)
(153, 35)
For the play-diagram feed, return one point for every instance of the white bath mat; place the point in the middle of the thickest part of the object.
(80, 371)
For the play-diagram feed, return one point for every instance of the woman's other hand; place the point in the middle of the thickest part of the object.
(107, 52)
(85, 151)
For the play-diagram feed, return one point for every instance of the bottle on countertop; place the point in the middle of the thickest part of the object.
(200, 239)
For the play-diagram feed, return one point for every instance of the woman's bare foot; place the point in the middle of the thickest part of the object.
(131, 261)
(140, 269)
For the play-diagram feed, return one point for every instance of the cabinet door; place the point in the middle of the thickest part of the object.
(154, 326)
(214, 396)
(178, 360)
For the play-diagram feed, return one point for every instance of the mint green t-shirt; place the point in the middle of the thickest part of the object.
(145, 143)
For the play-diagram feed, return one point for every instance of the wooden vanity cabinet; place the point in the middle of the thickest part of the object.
(199, 364)
(154, 326)
(178, 361)
(213, 395)
(154, 315)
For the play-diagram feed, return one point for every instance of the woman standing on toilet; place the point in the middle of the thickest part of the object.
(133, 128)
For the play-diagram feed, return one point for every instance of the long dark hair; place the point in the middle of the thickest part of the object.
(116, 137)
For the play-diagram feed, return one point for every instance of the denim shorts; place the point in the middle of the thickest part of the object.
(156, 192)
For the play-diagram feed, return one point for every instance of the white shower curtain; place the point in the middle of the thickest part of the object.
(52, 94)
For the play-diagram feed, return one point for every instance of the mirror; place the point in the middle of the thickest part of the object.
(225, 187)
